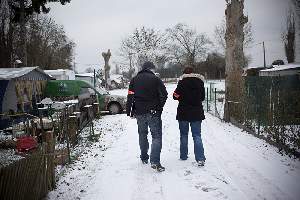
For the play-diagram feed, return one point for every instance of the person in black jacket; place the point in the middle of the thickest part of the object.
(145, 101)
(190, 93)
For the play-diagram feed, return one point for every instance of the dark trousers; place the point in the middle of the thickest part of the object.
(155, 124)
(196, 134)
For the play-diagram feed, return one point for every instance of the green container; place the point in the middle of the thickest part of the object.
(65, 88)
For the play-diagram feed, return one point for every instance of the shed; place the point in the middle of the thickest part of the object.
(61, 74)
(281, 70)
(21, 88)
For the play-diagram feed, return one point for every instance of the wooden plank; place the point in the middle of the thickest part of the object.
(29, 172)
(24, 164)
(33, 175)
(1, 181)
(39, 177)
(9, 183)
(18, 183)
(13, 187)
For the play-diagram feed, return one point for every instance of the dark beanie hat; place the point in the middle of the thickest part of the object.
(148, 65)
(188, 70)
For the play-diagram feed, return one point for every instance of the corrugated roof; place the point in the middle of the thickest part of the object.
(283, 67)
(11, 73)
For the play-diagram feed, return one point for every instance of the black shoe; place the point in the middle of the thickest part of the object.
(200, 163)
(145, 161)
(158, 167)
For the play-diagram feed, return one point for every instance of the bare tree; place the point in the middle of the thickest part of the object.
(21, 11)
(89, 70)
(234, 58)
(47, 44)
(288, 37)
(26, 37)
(297, 8)
(220, 31)
(6, 35)
(186, 46)
(144, 44)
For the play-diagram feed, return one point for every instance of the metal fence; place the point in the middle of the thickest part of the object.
(269, 109)
(32, 176)
(214, 99)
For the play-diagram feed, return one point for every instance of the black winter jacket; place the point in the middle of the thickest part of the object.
(190, 93)
(146, 93)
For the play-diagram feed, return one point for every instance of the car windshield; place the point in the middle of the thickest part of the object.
(102, 91)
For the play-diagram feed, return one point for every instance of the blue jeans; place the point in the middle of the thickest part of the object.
(155, 125)
(196, 133)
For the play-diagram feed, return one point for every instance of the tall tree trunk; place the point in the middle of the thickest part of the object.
(23, 52)
(235, 58)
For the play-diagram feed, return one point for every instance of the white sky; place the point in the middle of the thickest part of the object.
(96, 26)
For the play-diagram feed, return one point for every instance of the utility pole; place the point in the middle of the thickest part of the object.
(94, 78)
(264, 50)
(74, 67)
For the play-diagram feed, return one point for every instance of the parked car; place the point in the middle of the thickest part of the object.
(79, 89)
(113, 103)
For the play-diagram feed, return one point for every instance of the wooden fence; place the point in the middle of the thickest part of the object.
(29, 178)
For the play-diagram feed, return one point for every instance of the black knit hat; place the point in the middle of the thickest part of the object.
(188, 70)
(148, 65)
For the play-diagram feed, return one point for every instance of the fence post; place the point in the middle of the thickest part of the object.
(65, 132)
(258, 120)
(207, 99)
(215, 101)
(210, 91)
(72, 129)
(49, 139)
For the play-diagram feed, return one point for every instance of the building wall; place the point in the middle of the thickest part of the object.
(297, 11)
(280, 73)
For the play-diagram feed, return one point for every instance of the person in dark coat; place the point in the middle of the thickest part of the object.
(145, 101)
(190, 93)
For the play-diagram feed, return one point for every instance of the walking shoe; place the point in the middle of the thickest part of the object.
(145, 161)
(200, 163)
(158, 167)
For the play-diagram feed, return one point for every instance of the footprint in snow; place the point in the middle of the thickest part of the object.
(187, 172)
(208, 189)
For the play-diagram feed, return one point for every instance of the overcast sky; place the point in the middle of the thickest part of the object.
(97, 25)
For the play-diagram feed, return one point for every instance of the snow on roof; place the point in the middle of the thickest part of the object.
(11, 73)
(253, 67)
(282, 67)
(56, 70)
(85, 75)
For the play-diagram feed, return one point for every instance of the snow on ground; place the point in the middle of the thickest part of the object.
(239, 166)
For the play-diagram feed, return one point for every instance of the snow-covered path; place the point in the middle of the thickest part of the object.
(239, 166)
